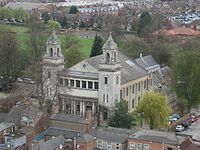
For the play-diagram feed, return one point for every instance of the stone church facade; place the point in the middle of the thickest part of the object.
(98, 81)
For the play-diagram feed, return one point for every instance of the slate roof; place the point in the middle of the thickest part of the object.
(2, 116)
(188, 144)
(85, 138)
(147, 62)
(14, 116)
(32, 112)
(52, 144)
(110, 135)
(155, 136)
(5, 125)
(67, 134)
(68, 118)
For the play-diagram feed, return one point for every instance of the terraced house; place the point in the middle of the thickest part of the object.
(98, 81)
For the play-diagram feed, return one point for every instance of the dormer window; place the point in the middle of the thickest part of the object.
(51, 52)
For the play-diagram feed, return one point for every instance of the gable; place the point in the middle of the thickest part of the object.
(83, 66)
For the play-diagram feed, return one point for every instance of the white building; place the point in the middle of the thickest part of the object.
(100, 80)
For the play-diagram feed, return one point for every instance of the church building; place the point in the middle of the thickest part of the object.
(98, 81)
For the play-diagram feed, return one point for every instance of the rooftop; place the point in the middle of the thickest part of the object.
(68, 118)
(5, 125)
(155, 136)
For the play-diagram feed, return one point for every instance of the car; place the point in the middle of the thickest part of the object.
(28, 80)
(177, 116)
(180, 128)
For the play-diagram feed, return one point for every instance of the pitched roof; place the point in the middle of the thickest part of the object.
(32, 112)
(53, 39)
(181, 31)
(52, 144)
(85, 138)
(68, 118)
(14, 116)
(188, 144)
(2, 116)
(5, 125)
(110, 44)
(110, 134)
(155, 136)
(68, 134)
(147, 62)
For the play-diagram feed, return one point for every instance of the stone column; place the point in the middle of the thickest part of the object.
(74, 107)
(81, 108)
(93, 109)
(63, 106)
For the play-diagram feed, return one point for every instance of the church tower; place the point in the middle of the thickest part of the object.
(53, 62)
(109, 75)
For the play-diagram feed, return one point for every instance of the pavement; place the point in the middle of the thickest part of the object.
(193, 130)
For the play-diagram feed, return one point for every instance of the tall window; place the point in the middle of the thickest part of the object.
(127, 91)
(133, 105)
(96, 85)
(106, 80)
(138, 86)
(77, 83)
(133, 90)
(84, 84)
(72, 83)
(107, 58)
(145, 84)
(51, 52)
(107, 98)
(104, 98)
(58, 54)
(117, 146)
(139, 146)
(90, 85)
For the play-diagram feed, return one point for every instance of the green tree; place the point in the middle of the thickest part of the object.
(73, 55)
(154, 109)
(53, 25)
(120, 117)
(186, 69)
(6, 13)
(144, 24)
(73, 10)
(20, 14)
(46, 16)
(9, 60)
(97, 46)
(133, 47)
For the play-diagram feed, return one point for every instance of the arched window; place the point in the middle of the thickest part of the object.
(133, 103)
(107, 57)
(51, 52)
(58, 54)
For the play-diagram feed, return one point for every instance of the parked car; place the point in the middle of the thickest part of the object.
(177, 116)
(180, 128)
(28, 80)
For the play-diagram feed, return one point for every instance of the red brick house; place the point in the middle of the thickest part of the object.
(152, 140)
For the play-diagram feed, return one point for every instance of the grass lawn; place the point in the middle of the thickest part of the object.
(13, 28)
(85, 44)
